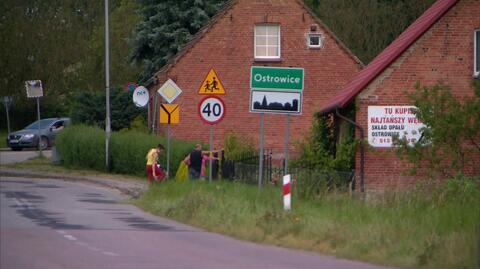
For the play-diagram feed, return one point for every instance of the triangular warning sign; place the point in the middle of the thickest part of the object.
(211, 84)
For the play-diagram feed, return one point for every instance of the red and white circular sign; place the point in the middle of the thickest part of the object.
(211, 109)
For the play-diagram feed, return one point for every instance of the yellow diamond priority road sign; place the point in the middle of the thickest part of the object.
(169, 91)
(211, 84)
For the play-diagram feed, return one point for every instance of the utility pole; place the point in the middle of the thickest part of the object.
(107, 89)
(7, 101)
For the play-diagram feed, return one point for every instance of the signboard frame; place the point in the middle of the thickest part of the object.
(214, 83)
(169, 83)
(172, 116)
(276, 95)
(200, 110)
(394, 119)
(270, 76)
(34, 91)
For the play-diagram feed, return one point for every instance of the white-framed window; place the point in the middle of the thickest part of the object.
(315, 40)
(476, 53)
(267, 41)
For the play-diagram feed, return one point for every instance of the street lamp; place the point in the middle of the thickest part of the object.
(107, 89)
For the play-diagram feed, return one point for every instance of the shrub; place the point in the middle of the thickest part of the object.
(139, 124)
(320, 150)
(450, 139)
(325, 161)
(84, 146)
(237, 147)
(130, 148)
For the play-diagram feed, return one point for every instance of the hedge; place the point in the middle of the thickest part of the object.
(84, 147)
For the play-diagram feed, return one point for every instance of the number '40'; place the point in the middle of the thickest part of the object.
(216, 109)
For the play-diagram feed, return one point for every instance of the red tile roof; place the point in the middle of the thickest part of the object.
(389, 55)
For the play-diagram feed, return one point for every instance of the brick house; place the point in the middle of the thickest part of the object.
(442, 45)
(231, 44)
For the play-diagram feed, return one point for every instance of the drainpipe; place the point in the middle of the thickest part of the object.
(362, 149)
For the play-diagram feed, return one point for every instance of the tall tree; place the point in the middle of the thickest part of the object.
(43, 40)
(61, 42)
(123, 19)
(166, 27)
(368, 26)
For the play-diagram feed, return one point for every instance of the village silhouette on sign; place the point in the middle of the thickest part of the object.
(293, 106)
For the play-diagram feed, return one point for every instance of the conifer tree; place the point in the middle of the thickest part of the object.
(166, 27)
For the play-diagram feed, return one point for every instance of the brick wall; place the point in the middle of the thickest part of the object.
(228, 48)
(443, 54)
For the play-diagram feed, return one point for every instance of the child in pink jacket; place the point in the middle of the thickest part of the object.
(205, 158)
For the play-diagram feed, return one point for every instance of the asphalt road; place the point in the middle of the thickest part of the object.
(8, 156)
(47, 223)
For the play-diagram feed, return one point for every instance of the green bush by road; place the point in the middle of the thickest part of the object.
(3, 139)
(430, 227)
(84, 146)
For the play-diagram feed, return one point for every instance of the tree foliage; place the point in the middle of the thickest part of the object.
(122, 20)
(89, 108)
(62, 44)
(320, 150)
(451, 139)
(166, 27)
(368, 26)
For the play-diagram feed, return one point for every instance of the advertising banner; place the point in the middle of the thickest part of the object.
(385, 122)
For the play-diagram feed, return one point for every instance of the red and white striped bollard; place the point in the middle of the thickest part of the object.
(287, 197)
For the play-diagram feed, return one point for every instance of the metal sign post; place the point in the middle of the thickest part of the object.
(7, 100)
(211, 110)
(168, 151)
(169, 113)
(260, 166)
(276, 90)
(39, 135)
(35, 90)
(211, 155)
(287, 137)
(154, 123)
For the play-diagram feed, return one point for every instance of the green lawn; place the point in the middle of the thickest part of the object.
(426, 229)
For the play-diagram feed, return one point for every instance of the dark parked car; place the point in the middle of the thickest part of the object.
(28, 136)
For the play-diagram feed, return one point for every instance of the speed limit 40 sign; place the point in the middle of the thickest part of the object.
(211, 109)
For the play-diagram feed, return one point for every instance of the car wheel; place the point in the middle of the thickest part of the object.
(16, 149)
(43, 143)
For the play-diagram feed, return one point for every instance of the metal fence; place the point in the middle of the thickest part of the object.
(246, 168)
(306, 183)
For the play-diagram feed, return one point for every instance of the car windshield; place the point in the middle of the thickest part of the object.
(43, 124)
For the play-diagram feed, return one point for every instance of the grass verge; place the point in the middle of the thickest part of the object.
(434, 226)
(44, 164)
(3, 139)
(421, 229)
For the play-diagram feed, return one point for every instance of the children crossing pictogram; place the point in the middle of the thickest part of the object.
(211, 84)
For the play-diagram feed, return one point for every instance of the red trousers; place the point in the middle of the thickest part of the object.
(158, 171)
